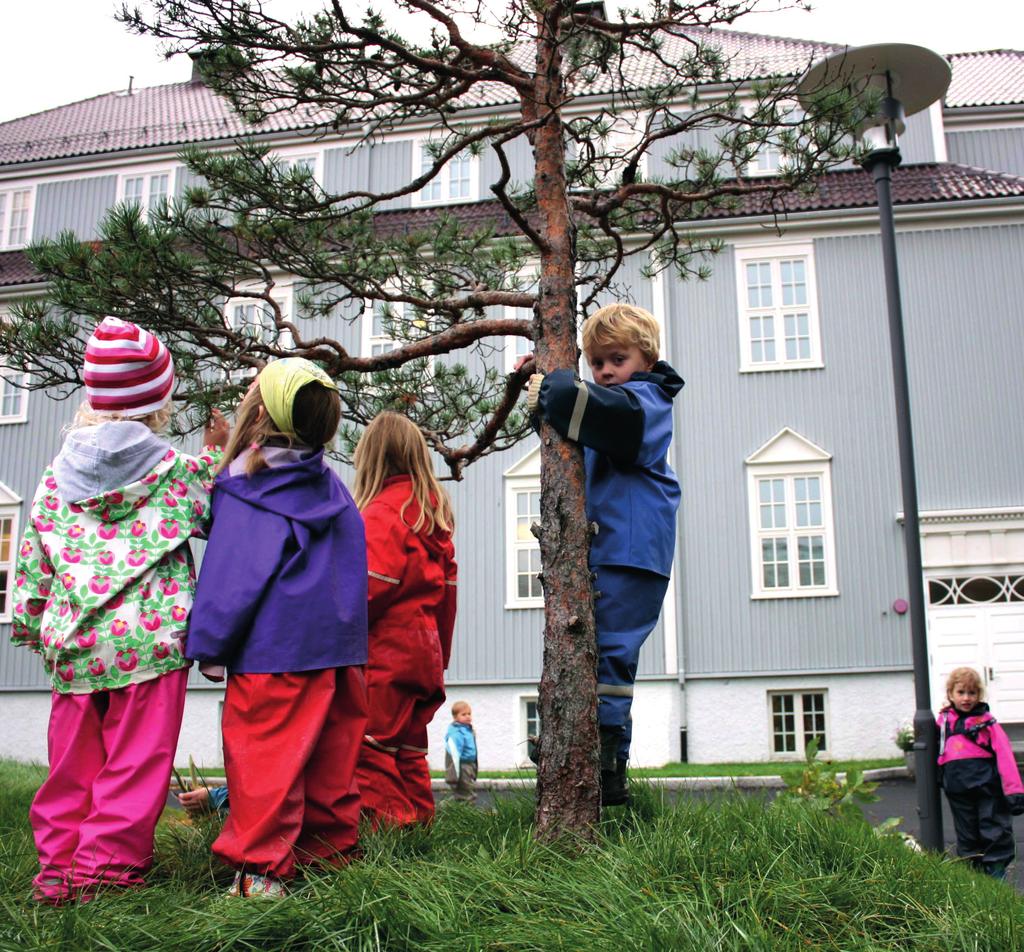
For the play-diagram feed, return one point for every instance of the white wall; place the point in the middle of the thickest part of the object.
(501, 735)
(728, 719)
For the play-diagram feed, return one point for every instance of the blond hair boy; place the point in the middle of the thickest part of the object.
(624, 422)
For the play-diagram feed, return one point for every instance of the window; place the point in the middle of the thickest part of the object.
(13, 398)
(529, 726)
(778, 312)
(796, 719)
(516, 346)
(457, 181)
(9, 505)
(255, 318)
(15, 217)
(379, 322)
(147, 190)
(771, 158)
(522, 510)
(792, 536)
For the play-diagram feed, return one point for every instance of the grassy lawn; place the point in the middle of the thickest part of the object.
(759, 769)
(733, 874)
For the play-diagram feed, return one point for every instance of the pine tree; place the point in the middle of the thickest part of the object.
(593, 96)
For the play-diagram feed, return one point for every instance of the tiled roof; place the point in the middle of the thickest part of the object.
(190, 112)
(849, 188)
(994, 78)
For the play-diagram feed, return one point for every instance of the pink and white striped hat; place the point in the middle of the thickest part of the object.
(127, 370)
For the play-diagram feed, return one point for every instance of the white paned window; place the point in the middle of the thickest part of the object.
(792, 539)
(379, 322)
(457, 181)
(147, 190)
(770, 158)
(516, 346)
(529, 726)
(522, 550)
(255, 319)
(797, 718)
(289, 162)
(8, 542)
(13, 398)
(15, 217)
(778, 311)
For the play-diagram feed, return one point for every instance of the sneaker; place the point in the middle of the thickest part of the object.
(256, 885)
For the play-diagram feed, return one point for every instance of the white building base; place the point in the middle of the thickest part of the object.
(499, 718)
(729, 720)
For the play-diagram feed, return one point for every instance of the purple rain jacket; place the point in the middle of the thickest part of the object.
(632, 493)
(282, 586)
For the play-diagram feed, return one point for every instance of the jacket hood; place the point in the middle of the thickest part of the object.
(397, 489)
(663, 376)
(97, 459)
(306, 491)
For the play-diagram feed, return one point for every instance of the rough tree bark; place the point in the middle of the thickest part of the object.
(567, 776)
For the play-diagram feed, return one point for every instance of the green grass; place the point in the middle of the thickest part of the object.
(759, 769)
(727, 874)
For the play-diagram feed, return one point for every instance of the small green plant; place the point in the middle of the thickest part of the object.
(818, 784)
(904, 737)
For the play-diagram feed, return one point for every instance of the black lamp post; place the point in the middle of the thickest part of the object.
(903, 80)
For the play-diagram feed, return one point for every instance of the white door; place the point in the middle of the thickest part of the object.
(978, 622)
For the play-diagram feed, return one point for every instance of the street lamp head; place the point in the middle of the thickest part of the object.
(903, 79)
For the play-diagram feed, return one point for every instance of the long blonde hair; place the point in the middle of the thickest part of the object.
(392, 446)
(85, 415)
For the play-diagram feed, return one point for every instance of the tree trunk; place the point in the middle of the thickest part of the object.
(567, 777)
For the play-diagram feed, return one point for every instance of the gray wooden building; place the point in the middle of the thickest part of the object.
(784, 617)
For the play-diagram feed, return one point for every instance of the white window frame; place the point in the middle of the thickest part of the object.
(282, 294)
(770, 159)
(802, 737)
(10, 508)
(789, 457)
(522, 477)
(8, 197)
(775, 257)
(514, 344)
(524, 732)
(438, 191)
(623, 136)
(6, 386)
(146, 175)
(289, 158)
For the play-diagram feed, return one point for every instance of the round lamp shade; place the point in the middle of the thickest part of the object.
(918, 75)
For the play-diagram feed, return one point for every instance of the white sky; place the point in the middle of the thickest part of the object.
(61, 51)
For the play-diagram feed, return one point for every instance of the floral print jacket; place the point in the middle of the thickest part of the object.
(104, 586)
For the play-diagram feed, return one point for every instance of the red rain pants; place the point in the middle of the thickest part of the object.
(405, 687)
(290, 747)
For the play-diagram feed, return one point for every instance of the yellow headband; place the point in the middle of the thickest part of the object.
(279, 382)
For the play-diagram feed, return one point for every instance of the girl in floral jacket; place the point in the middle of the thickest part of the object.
(104, 586)
(412, 572)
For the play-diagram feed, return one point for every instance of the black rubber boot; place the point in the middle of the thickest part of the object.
(614, 791)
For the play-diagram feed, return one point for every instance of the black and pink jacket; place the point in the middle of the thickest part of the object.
(972, 749)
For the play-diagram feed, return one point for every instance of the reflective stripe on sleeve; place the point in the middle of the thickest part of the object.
(385, 578)
(576, 421)
(616, 690)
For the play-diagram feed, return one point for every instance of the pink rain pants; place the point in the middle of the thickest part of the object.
(111, 754)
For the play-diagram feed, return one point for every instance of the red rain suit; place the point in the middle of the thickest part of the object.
(411, 616)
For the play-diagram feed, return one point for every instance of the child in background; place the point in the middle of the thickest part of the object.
(460, 757)
(105, 580)
(624, 421)
(979, 775)
(412, 571)
(281, 603)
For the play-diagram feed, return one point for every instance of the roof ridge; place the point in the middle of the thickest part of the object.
(986, 52)
(771, 36)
